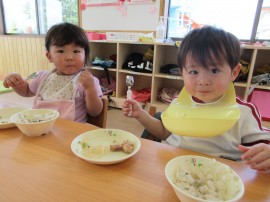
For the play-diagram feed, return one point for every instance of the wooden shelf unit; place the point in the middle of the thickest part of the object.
(163, 54)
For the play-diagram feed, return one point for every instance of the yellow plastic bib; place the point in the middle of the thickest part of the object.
(187, 118)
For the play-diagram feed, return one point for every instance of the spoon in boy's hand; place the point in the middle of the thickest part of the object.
(129, 82)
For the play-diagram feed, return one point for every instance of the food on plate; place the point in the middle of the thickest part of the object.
(4, 121)
(126, 146)
(96, 151)
(90, 151)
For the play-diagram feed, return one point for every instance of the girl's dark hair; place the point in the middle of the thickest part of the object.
(209, 46)
(67, 33)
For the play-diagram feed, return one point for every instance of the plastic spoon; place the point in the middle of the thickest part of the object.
(129, 82)
(31, 76)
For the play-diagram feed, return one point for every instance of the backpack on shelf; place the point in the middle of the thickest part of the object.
(135, 62)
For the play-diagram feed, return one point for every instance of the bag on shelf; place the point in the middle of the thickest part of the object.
(262, 69)
(243, 74)
(109, 63)
(262, 79)
(167, 95)
(107, 87)
(143, 95)
(171, 69)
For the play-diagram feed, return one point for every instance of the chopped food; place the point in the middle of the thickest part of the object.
(35, 117)
(116, 147)
(208, 183)
(126, 146)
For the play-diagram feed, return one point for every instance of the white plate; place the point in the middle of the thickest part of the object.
(6, 113)
(100, 140)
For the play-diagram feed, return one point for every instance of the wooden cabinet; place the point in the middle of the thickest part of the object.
(163, 54)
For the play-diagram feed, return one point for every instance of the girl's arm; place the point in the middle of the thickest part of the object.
(18, 84)
(94, 104)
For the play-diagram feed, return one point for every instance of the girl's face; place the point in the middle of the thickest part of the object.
(208, 85)
(68, 59)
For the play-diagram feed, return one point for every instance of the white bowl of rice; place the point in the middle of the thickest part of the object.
(35, 122)
(197, 178)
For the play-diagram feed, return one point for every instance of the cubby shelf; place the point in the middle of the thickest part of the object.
(163, 54)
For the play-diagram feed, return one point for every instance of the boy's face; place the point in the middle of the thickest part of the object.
(68, 59)
(208, 85)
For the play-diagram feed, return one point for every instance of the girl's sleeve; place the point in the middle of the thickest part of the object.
(98, 87)
(33, 85)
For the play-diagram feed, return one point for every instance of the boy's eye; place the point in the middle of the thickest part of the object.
(215, 71)
(60, 51)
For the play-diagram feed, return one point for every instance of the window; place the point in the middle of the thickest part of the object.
(37, 16)
(249, 20)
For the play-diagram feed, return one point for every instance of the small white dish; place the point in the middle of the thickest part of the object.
(35, 122)
(201, 179)
(94, 146)
(6, 113)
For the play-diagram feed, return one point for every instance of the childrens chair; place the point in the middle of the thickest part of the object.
(157, 115)
(101, 119)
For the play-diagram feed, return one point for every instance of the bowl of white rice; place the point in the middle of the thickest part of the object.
(35, 122)
(197, 178)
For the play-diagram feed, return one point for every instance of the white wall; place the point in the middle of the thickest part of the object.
(143, 17)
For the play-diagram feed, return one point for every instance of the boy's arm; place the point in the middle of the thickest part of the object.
(151, 124)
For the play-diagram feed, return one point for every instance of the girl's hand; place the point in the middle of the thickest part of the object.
(13, 80)
(257, 157)
(87, 79)
(136, 108)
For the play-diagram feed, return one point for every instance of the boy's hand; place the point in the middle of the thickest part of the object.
(13, 80)
(257, 156)
(136, 108)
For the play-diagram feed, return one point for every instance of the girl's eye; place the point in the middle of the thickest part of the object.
(215, 71)
(77, 51)
(193, 72)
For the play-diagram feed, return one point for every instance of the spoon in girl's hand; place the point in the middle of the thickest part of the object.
(31, 76)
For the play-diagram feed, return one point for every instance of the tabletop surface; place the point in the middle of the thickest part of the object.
(45, 169)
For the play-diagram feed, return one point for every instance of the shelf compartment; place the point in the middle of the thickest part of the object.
(126, 49)
(102, 50)
(140, 82)
(164, 54)
(160, 83)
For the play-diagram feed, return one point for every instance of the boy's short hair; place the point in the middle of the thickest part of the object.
(209, 46)
(66, 33)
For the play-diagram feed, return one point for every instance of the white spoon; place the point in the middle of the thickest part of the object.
(129, 82)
